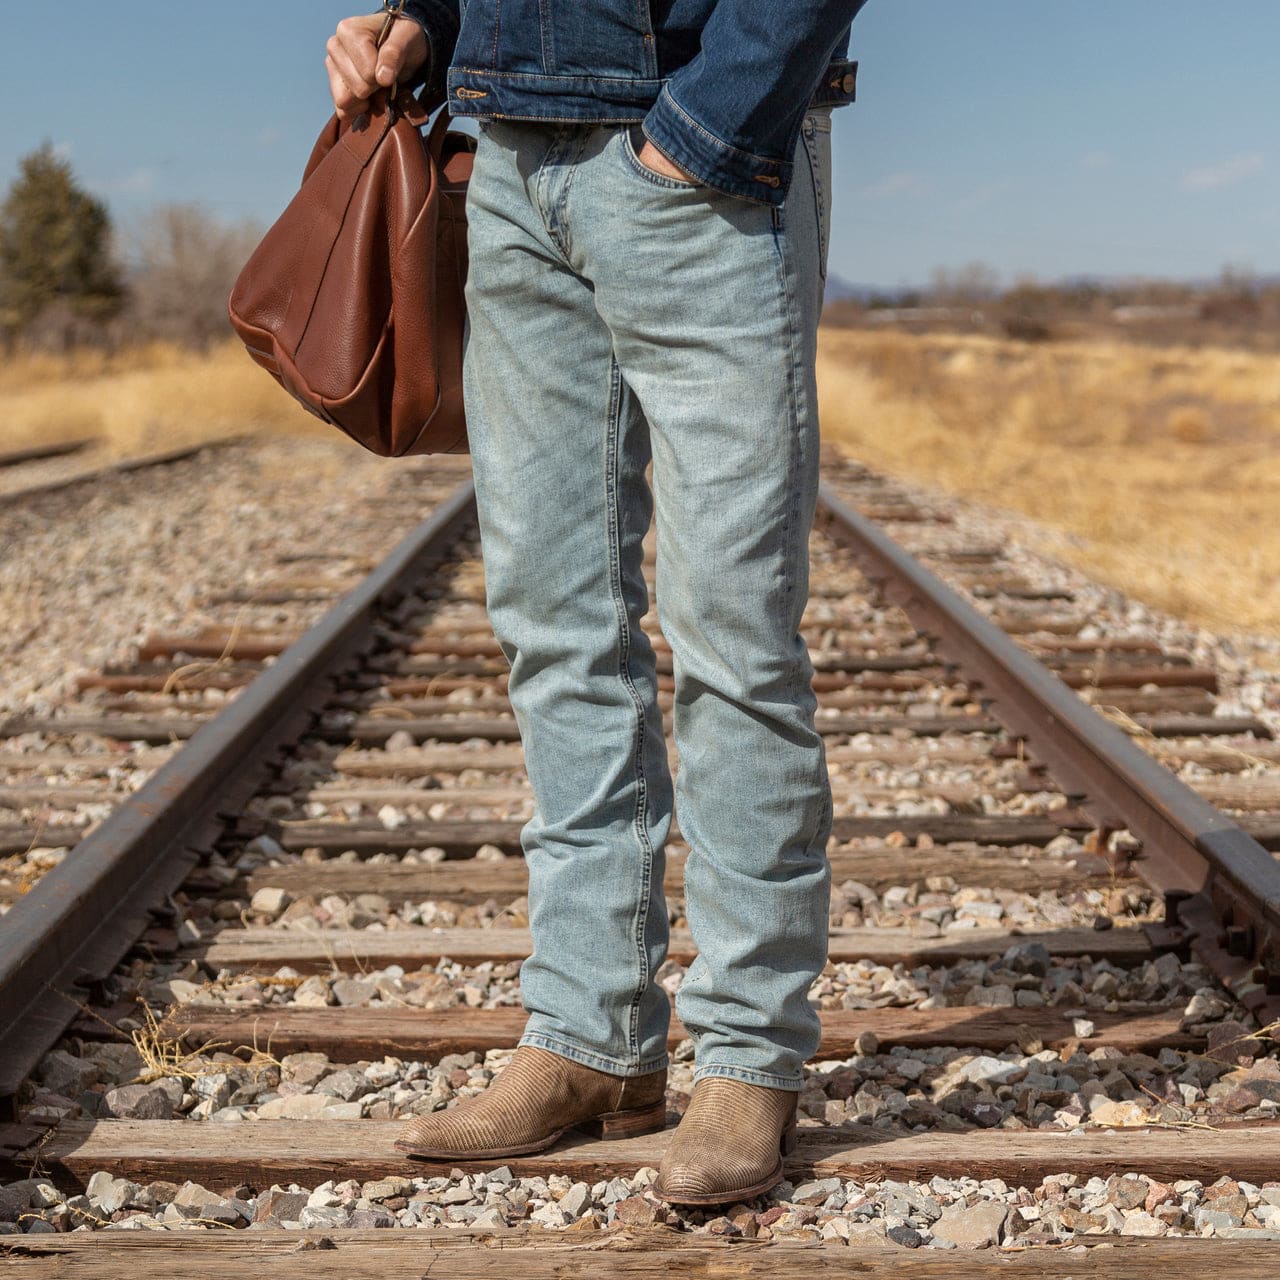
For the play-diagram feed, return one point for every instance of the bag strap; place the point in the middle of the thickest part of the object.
(428, 103)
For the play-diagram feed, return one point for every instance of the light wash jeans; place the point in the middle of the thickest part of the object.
(619, 317)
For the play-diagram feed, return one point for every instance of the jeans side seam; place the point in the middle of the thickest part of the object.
(640, 818)
(798, 536)
(819, 196)
(791, 520)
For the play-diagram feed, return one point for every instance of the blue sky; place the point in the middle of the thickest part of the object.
(1117, 138)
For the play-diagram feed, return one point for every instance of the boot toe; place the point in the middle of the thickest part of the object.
(715, 1179)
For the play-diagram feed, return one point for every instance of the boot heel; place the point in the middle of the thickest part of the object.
(627, 1124)
(787, 1142)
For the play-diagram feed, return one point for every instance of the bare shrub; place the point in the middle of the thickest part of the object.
(185, 261)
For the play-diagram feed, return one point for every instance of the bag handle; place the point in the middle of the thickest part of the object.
(428, 103)
(391, 10)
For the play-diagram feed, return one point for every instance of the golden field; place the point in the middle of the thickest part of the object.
(1161, 466)
(1154, 469)
(143, 399)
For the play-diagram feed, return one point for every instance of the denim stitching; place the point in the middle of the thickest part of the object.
(794, 534)
(590, 1058)
(719, 142)
(748, 1075)
(546, 35)
(649, 175)
(540, 180)
(624, 672)
(562, 205)
(819, 195)
(792, 518)
(640, 84)
(553, 217)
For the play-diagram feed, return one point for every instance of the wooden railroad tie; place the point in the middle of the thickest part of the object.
(633, 1254)
(320, 950)
(312, 1151)
(360, 1034)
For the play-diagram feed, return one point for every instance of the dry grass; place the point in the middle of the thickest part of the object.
(143, 399)
(1162, 466)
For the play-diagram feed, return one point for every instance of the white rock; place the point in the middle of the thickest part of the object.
(269, 902)
(550, 1215)
(303, 1106)
(988, 1070)
(1143, 1224)
(575, 1200)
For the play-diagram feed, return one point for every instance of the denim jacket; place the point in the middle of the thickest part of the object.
(720, 85)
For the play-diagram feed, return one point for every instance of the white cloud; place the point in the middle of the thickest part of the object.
(1236, 169)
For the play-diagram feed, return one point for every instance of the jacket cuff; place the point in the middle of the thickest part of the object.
(700, 153)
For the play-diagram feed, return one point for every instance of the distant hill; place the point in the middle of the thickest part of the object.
(841, 290)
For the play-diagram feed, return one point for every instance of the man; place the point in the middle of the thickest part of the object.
(648, 224)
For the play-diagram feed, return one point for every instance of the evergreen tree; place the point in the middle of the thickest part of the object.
(55, 247)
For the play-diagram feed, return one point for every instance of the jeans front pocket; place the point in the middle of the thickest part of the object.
(633, 133)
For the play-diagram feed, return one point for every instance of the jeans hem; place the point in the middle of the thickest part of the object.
(747, 1075)
(590, 1058)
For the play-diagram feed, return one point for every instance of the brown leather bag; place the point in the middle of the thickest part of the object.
(354, 299)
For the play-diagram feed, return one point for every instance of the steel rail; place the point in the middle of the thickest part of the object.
(42, 452)
(1221, 887)
(121, 467)
(73, 928)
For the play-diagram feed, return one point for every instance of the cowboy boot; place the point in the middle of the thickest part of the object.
(729, 1145)
(531, 1103)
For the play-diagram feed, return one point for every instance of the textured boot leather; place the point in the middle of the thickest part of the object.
(729, 1145)
(531, 1103)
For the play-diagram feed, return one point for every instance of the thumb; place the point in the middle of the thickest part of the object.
(391, 56)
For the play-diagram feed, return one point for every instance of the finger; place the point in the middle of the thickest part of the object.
(358, 41)
(403, 49)
(360, 85)
(345, 102)
(356, 63)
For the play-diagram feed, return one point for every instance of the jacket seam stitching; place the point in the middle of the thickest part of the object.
(728, 148)
(544, 75)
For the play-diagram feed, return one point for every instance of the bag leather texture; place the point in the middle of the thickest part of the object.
(353, 301)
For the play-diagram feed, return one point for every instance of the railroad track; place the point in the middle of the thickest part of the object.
(43, 452)
(1044, 1024)
(59, 478)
